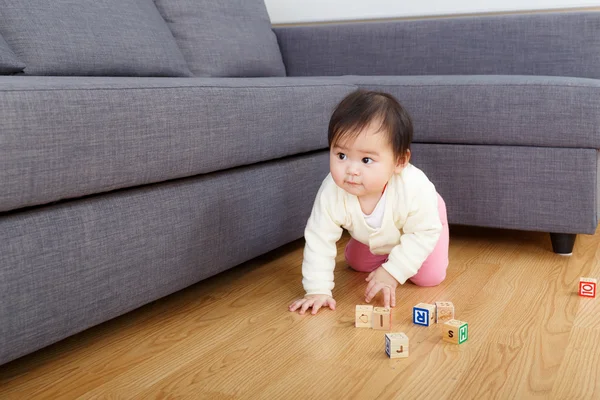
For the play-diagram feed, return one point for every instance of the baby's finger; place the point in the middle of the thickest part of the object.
(331, 303)
(317, 304)
(393, 295)
(368, 279)
(386, 296)
(307, 304)
(374, 290)
(369, 287)
(296, 304)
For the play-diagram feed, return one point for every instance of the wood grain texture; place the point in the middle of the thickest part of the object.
(231, 336)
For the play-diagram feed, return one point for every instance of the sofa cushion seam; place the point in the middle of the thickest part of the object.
(483, 84)
(178, 87)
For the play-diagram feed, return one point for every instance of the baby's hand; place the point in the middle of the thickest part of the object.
(315, 301)
(381, 280)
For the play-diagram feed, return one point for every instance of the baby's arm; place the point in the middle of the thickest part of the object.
(322, 232)
(421, 232)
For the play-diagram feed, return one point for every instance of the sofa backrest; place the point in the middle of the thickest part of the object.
(544, 43)
(131, 38)
(224, 37)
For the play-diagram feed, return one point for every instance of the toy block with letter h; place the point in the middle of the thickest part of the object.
(444, 311)
(587, 287)
(396, 345)
(364, 316)
(456, 331)
(424, 314)
(382, 318)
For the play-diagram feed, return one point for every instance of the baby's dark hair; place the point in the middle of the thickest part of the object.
(362, 107)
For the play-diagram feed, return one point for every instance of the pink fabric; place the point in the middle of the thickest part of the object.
(431, 273)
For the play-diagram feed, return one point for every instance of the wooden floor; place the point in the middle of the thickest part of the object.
(231, 336)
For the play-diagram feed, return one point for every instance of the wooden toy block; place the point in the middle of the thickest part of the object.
(456, 331)
(587, 287)
(364, 316)
(424, 314)
(444, 311)
(396, 345)
(382, 318)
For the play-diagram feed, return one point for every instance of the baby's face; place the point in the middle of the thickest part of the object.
(363, 166)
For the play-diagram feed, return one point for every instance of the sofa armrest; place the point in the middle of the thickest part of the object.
(554, 44)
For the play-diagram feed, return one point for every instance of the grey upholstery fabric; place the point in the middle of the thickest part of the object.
(9, 63)
(529, 188)
(141, 244)
(107, 133)
(91, 37)
(227, 38)
(555, 44)
(500, 110)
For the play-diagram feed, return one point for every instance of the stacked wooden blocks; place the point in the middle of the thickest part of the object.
(373, 317)
(587, 287)
(396, 344)
(454, 331)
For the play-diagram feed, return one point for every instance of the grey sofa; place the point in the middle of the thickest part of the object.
(164, 143)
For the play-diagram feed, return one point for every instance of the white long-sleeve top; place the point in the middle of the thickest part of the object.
(409, 232)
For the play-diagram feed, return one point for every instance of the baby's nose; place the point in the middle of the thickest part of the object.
(352, 169)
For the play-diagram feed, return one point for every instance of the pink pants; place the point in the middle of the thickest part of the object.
(431, 273)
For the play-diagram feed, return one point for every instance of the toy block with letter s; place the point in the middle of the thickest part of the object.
(456, 331)
(424, 314)
(444, 311)
(382, 318)
(587, 287)
(396, 345)
(364, 316)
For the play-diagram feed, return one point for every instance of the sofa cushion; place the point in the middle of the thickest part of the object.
(91, 37)
(106, 133)
(9, 63)
(541, 43)
(497, 109)
(227, 38)
(514, 187)
(66, 267)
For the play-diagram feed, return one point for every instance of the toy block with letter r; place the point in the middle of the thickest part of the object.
(382, 318)
(456, 331)
(587, 287)
(444, 311)
(364, 316)
(396, 345)
(424, 314)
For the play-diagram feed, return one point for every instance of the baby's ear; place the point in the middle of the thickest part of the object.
(403, 161)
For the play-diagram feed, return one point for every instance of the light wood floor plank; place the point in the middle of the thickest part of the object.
(231, 336)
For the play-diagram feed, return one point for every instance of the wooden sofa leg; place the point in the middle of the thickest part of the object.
(562, 243)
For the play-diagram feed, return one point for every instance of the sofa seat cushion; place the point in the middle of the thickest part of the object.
(225, 38)
(9, 63)
(91, 37)
(497, 109)
(68, 137)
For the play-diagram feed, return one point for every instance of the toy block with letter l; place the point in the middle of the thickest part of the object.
(424, 314)
(456, 331)
(396, 345)
(364, 316)
(382, 318)
(444, 311)
(587, 287)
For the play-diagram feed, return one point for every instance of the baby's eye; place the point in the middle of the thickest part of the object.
(341, 156)
(367, 160)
